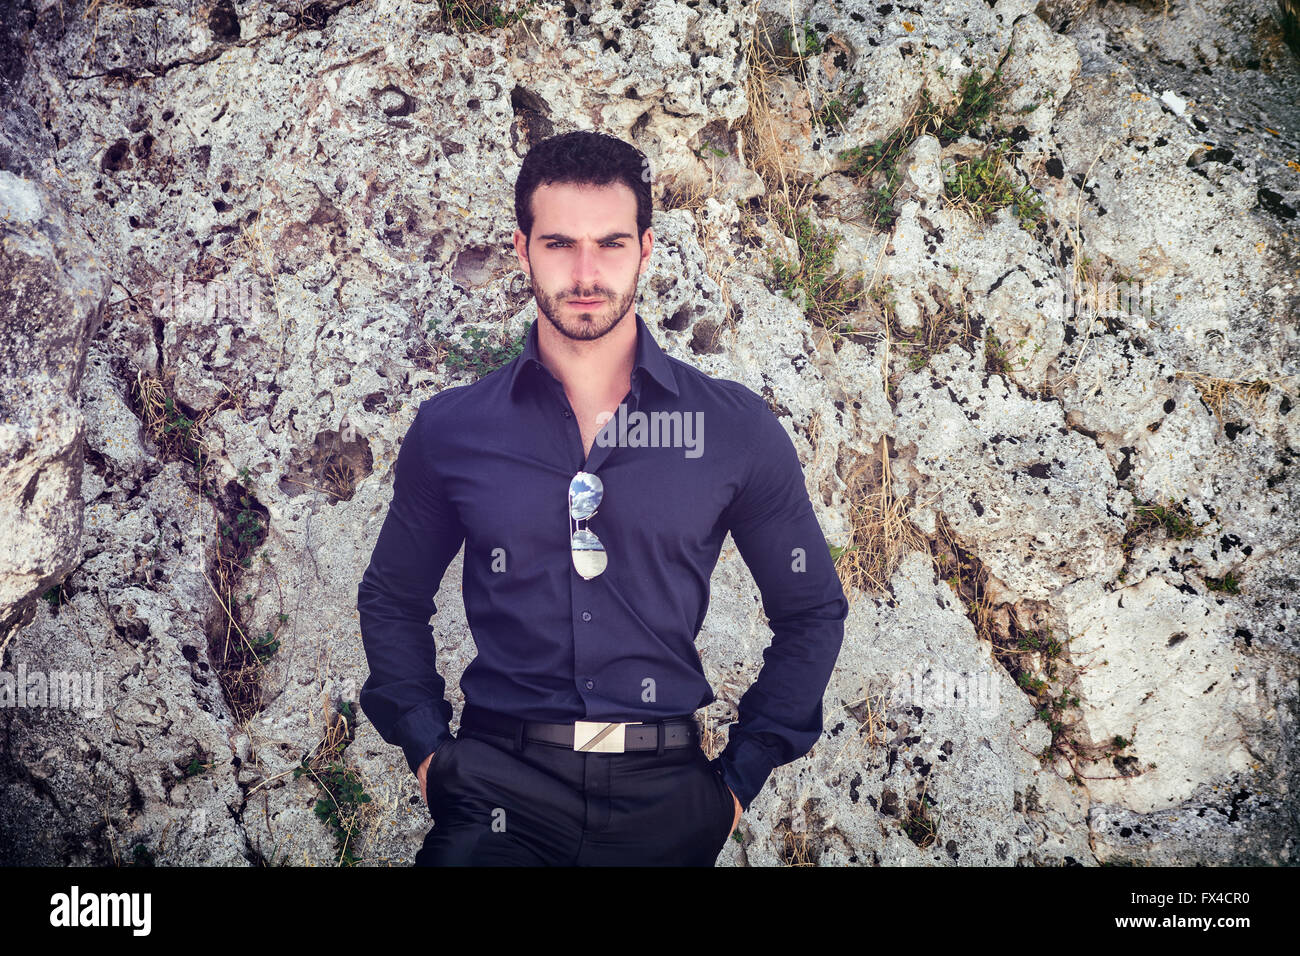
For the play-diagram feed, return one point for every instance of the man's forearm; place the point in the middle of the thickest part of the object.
(774, 725)
(404, 694)
(777, 533)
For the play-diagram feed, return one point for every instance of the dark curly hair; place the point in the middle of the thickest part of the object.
(584, 158)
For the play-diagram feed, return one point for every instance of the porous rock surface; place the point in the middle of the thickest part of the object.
(289, 215)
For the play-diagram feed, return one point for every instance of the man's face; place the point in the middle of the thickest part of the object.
(584, 259)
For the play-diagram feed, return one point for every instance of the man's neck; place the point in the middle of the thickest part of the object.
(591, 370)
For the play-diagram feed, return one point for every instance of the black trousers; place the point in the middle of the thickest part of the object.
(543, 805)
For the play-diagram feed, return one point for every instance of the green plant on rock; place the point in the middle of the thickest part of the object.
(342, 796)
(878, 163)
(175, 422)
(1228, 583)
(835, 112)
(141, 856)
(801, 44)
(478, 354)
(1031, 683)
(995, 356)
(1171, 516)
(982, 186)
(825, 293)
(880, 158)
(476, 16)
(265, 646)
(978, 98)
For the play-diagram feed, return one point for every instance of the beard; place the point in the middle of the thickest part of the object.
(590, 322)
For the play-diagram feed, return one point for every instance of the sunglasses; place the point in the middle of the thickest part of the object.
(585, 492)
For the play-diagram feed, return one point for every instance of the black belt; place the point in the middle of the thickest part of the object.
(587, 736)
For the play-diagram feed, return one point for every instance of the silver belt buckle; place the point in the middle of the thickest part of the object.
(597, 736)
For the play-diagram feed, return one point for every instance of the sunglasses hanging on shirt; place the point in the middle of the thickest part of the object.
(585, 493)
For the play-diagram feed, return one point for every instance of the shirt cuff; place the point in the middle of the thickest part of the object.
(421, 733)
(745, 767)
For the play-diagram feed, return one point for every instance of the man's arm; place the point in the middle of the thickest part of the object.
(403, 696)
(772, 522)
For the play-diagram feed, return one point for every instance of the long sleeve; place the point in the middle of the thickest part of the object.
(772, 522)
(404, 694)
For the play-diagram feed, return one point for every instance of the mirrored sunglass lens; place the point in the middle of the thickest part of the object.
(588, 554)
(585, 492)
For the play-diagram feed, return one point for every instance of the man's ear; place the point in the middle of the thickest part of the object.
(521, 250)
(647, 246)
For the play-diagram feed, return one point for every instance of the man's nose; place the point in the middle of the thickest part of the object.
(584, 268)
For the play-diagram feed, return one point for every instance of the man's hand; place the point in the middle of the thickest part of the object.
(739, 810)
(422, 774)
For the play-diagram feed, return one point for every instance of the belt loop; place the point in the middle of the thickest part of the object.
(519, 736)
(659, 751)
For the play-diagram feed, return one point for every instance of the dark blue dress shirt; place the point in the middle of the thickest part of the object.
(489, 465)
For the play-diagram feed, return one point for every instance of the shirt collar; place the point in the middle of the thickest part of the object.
(649, 356)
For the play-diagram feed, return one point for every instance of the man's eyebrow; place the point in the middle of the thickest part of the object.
(612, 236)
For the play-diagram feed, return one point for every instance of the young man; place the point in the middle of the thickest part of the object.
(588, 554)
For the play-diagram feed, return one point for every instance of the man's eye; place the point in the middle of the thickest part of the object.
(611, 244)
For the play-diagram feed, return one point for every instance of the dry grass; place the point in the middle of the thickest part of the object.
(237, 658)
(758, 147)
(882, 531)
(870, 713)
(795, 850)
(921, 828)
(766, 143)
(969, 579)
(712, 739)
(340, 479)
(1251, 394)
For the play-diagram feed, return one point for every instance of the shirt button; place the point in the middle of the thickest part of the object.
(566, 413)
(586, 615)
(590, 684)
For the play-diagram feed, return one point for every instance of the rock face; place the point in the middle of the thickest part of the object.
(1050, 426)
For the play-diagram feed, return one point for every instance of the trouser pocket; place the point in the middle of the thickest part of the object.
(436, 772)
(728, 804)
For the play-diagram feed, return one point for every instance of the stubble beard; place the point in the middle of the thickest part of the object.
(590, 323)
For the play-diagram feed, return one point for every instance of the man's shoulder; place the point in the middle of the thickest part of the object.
(727, 392)
(443, 401)
(438, 417)
(745, 414)
(455, 402)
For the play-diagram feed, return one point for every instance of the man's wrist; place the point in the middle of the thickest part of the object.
(420, 748)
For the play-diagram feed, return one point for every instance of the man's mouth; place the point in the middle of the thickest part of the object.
(586, 301)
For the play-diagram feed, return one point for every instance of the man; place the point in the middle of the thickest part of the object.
(588, 554)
